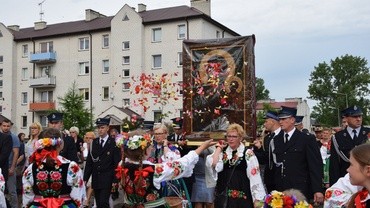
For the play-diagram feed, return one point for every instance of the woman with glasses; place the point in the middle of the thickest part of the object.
(162, 151)
(29, 147)
(236, 170)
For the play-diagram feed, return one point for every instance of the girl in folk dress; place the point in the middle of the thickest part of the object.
(51, 180)
(141, 179)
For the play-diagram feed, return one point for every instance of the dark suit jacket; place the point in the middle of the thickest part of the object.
(263, 157)
(6, 146)
(101, 164)
(338, 167)
(303, 168)
(69, 150)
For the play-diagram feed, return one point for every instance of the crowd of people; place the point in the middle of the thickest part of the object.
(152, 167)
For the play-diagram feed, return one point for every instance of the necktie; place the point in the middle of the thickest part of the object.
(101, 143)
(354, 134)
(286, 138)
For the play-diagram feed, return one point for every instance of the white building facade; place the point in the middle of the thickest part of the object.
(101, 55)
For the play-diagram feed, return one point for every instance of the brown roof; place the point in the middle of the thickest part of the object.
(61, 29)
(104, 23)
(277, 105)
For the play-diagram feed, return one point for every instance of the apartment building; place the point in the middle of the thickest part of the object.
(101, 54)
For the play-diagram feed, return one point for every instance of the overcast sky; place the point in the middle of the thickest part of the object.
(293, 36)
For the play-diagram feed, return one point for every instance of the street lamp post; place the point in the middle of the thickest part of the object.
(345, 94)
(334, 108)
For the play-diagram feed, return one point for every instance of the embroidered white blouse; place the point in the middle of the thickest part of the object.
(340, 193)
(74, 179)
(252, 171)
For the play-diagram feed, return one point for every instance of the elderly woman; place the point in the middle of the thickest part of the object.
(51, 180)
(29, 147)
(142, 179)
(74, 131)
(162, 151)
(236, 169)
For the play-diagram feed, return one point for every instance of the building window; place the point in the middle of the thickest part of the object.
(24, 50)
(1, 83)
(1, 34)
(126, 86)
(24, 122)
(105, 93)
(25, 73)
(1, 94)
(126, 102)
(46, 47)
(157, 35)
(218, 34)
(45, 71)
(105, 41)
(24, 98)
(181, 29)
(84, 68)
(126, 60)
(179, 59)
(1, 109)
(43, 121)
(1, 59)
(84, 43)
(125, 45)
(126, 73)
(157, 61)
(1, 72)
(157, 114)
(105, 66)
(47, 96)
(85, 93)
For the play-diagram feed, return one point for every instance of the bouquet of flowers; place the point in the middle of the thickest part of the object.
(282, 200)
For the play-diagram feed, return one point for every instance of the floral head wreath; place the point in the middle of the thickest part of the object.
(278, 199)
(134, 142)
(48, 142)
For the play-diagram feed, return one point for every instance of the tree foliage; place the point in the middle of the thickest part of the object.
(345, 79)
(74, 110)
(261, 92)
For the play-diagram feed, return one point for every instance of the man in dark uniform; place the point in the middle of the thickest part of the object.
(344, 141)
(298, 161)
(69, 150)
(264, 152)
(299, 122)
(101, 163)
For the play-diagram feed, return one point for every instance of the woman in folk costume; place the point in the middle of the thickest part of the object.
(51, 180)
(236, 170)
(141, 179)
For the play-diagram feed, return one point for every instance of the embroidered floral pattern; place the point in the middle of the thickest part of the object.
(236, 194)
(49, 183)
(158, 170)
(177, 168)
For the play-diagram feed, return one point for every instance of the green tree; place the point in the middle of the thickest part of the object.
(345, 80)
(261, 92)
(74, 110)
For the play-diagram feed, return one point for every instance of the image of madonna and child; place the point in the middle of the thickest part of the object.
(352, 190)
(51, 180)
(141, 179)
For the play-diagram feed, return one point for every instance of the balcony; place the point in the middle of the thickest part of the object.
(42, 106)
(43, 58)
(41, 82)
